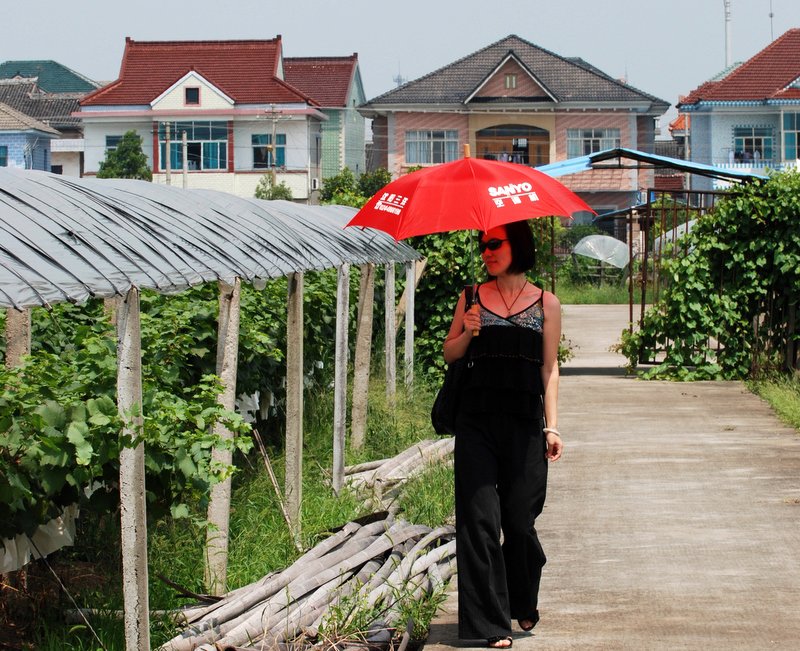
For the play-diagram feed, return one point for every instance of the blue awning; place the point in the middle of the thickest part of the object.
(592, 161)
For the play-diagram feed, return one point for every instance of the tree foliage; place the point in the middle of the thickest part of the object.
(733, 285)
(127, 161)
(347, 190)
(266, 190)
(60, 430)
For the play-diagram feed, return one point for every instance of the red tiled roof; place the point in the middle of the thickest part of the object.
(766, 75)
(244, 70)
(326, 79)
(680, 123)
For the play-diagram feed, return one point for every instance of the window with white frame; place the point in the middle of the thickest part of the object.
(791, 136)
(3, 155)
(581, 142)
(511, 81)
(429, 147)
(206, 145)
(752, 144)
(263, 154)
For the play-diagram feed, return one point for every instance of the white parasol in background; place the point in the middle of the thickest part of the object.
(604, 248)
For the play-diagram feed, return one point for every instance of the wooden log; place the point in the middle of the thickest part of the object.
(399, 531)
(362, 467)
(265, 588)
(361, 361)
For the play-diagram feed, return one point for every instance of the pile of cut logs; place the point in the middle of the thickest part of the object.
(373, 563)
(383, 480)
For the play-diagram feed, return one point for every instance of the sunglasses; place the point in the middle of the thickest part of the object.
(492, 244)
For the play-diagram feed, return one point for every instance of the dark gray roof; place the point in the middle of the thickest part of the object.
(25, 96)
(67, 239)
(567, 80)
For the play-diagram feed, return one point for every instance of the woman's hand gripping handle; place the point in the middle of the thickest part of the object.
(471, 311)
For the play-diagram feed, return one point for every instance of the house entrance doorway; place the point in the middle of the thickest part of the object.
(515, 143)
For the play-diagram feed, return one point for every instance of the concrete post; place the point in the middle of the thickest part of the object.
(131, 475)
(219, 508)
(390, 328)
(340, 375)
(18, 336)
(408, 359)
(294, 400)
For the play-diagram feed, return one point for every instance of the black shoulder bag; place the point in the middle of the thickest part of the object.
(445, 406)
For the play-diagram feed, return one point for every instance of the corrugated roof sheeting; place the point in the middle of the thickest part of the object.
(67, 239)
(586, 163)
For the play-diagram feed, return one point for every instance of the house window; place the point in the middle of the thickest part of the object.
(429, 147)
(112, 142)
(582, 142)
(262, 150)
(511, 81)
(3, 155)
(206, 145)
(752, 144)
(791, 136)
(191, 96)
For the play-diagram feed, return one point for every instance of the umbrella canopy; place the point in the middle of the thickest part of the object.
(603, 248)
(467, 194)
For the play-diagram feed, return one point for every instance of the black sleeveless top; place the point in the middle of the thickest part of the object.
(504, 364)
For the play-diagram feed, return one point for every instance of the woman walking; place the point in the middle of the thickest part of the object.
(506, 432)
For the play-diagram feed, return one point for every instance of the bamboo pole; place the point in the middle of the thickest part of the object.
(219, 508)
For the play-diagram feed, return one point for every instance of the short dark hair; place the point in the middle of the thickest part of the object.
(523, 248)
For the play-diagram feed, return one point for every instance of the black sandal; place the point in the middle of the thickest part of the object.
(492, 642)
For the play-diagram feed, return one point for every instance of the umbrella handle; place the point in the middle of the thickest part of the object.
(469, 302)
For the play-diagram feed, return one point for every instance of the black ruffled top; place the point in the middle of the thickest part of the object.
(505, 362)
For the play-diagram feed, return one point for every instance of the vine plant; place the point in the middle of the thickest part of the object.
(724, 311)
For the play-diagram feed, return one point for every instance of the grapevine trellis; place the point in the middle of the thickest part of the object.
(66, 239)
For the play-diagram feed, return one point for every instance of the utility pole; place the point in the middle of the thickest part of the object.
(184, 153)
(167, 155)
(728, 38)
(271, 147)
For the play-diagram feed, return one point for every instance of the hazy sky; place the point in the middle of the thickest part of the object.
(665, 48)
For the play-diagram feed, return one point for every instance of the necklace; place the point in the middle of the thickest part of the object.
(516, 298)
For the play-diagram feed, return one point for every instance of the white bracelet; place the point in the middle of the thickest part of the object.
(552, 430)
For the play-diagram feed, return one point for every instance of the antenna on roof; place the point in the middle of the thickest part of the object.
(398, 78)
(728, 48)
(771, 15)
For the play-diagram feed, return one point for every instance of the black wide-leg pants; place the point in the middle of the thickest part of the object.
(500, 484)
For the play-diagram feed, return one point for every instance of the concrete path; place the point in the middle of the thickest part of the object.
(673, 520)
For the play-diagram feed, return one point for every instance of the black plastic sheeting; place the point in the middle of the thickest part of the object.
(69, 239)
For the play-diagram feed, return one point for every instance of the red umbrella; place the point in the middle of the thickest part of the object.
(467, 194)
